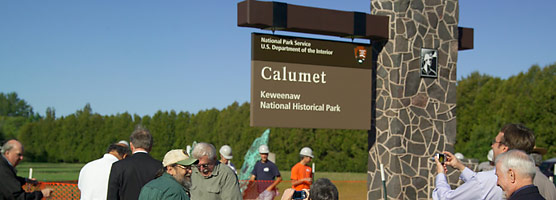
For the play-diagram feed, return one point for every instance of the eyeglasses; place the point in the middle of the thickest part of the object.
(202, 166)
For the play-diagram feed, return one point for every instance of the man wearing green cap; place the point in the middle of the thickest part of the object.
(174, 180)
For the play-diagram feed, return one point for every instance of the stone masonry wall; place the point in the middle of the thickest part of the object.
(415, 116)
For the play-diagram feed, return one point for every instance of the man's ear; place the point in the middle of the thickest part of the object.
(505, 148)
(511, 175)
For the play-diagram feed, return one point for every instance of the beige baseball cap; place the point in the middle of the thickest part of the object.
(177, 156)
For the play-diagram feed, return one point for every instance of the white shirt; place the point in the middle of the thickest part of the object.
(93, 178)
(480, 185)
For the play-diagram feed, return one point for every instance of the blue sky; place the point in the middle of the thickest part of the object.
(142, 56)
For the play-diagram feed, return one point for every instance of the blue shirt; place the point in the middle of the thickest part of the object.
(480, 185)
(266, 172)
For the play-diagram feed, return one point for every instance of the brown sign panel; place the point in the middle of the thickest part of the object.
(309, 83)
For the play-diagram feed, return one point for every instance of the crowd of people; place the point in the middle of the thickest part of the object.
(127, 171)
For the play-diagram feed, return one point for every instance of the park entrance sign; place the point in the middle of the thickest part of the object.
(310, 83)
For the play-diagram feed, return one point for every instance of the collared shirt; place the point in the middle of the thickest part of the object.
(480, 185)
(221, 184)
(93, 177)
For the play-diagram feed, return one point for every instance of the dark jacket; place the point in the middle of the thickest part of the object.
(164, 187)
(10, 183)
(127, 176)
(530, 192)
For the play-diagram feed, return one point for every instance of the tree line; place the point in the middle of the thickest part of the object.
(84, 135)
(484, 104)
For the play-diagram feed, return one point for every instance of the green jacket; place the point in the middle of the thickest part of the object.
(163, 187)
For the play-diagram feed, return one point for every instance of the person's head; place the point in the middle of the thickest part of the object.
(513, 136)
(306, 155)
(323, 189)
(141, 138)
(514, 170)
(264, 151)
(178, 164)
(428, 59)
(226, 153)
(118, 150)
(206, 154)
(12, 150)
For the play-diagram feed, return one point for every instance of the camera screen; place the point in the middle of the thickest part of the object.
(441, 158)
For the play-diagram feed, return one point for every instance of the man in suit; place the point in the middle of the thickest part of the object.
(515, 172)
(128, 176)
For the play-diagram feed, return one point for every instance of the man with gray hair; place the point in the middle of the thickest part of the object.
(211, 180)
(10, 183)
(515, 172)
(127, 176)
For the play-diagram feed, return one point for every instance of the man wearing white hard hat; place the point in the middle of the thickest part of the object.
(226, 156)
(266, 174)
(174, 180)
(301, 173)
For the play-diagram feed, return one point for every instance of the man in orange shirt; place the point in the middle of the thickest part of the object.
(301, 173)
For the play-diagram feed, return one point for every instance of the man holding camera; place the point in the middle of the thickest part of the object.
(483, 185)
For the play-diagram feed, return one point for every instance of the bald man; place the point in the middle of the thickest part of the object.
(10, 183)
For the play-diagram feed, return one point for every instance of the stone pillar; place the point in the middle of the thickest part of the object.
(414, 117)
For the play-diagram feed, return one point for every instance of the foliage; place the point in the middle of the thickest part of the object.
(11, 106)
(83, 136)
(14, 113)
(486, 103)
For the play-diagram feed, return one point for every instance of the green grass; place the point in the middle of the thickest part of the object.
(350, 185)
(50, 171)
(70, 172)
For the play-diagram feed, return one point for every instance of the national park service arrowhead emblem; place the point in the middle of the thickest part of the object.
(360, 54)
